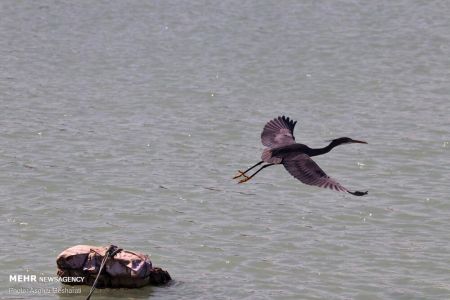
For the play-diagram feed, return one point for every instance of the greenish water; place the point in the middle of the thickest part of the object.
(123, 122)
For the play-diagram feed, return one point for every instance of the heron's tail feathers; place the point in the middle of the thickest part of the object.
(266, 155)
(268, 158)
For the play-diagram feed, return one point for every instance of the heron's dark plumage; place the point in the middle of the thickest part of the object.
(278, 132)
(278, 136)
(307, 171)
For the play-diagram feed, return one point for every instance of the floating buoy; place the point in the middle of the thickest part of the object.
(108, 267)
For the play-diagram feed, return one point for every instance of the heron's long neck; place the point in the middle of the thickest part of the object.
(320, 151)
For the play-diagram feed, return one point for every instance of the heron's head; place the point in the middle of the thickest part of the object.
(346, 140)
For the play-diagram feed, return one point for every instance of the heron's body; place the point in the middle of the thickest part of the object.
(279, 139)
(294, 149)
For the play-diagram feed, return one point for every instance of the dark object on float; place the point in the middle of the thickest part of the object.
(114, 267)
(278, 137)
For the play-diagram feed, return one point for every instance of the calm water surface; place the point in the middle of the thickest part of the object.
(123, 122)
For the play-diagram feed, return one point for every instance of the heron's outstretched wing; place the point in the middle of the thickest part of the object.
(307, 171)
(278, 132)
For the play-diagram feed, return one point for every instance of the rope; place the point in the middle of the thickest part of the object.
(111, 252)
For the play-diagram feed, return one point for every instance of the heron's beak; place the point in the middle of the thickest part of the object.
(359, 142)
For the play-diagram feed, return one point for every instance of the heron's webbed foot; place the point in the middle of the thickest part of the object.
(240, 173)
(247, 178)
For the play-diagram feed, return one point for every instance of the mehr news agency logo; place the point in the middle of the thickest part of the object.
(29, 278)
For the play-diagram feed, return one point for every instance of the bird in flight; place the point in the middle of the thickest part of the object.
(278, 137)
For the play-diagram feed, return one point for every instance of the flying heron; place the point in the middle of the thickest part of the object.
(278, 136)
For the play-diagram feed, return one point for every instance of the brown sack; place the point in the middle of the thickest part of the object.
(125, 269)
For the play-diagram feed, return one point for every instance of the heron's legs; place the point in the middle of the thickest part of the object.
(247, 178)
(243, 173)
